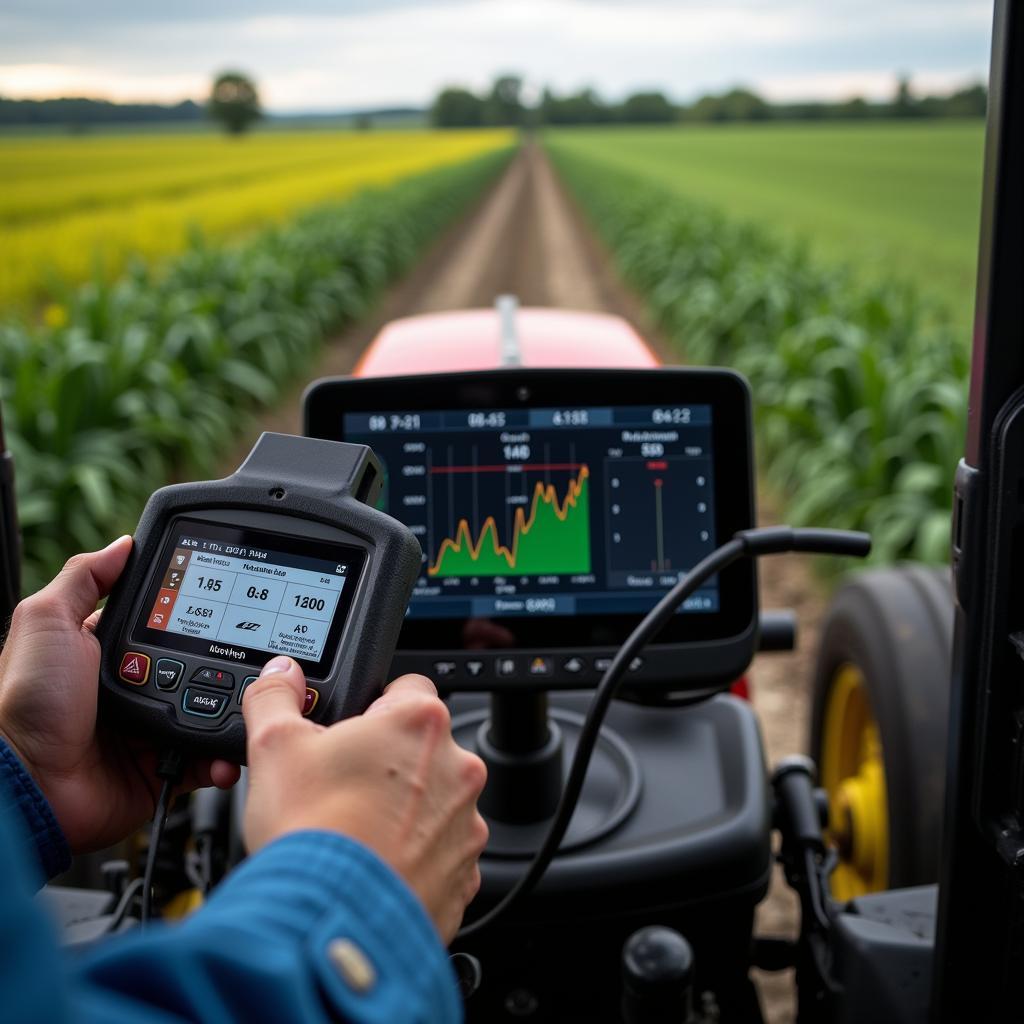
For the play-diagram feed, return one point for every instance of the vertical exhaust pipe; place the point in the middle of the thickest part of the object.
(507, 307)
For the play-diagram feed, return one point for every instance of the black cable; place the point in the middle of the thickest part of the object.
(169, 768)
(204, 847)
(208, 810)
(155, 835)
(767, 541)
(124, 904)
(814, 889)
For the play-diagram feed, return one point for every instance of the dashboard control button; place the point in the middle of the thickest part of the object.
(214, 677)
(541, 666)
(574, 666)
(636, 664)
(506, 667)
(602, 664)
(245, 682)
(168, 673)
(312, 696)
(474, 669)
(203, 702)
(444, 668)
(134, 668)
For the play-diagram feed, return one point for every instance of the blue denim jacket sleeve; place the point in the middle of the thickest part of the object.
(314, 927)
(44, 841)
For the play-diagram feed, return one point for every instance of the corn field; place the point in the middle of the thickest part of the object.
(860, 388)
(150, 379)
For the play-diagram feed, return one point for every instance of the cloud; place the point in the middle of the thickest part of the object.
(870, 85)
(317, 54)
(52, 80)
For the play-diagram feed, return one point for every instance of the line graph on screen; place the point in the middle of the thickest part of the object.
(550, 537)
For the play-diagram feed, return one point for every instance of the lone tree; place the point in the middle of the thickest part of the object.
(457, 108)
(904, 104)
(234, 102)
(504, 106)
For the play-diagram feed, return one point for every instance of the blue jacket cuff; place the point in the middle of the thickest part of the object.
(376, 953)
(19, 791)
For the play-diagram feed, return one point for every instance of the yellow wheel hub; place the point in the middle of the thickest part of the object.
(183, 904)
(853, 775)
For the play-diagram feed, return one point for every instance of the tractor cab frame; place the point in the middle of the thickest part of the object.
(980, 927)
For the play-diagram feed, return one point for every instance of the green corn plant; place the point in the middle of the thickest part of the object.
(152, 378)
(860, 388)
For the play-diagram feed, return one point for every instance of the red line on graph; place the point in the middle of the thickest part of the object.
(504, 467)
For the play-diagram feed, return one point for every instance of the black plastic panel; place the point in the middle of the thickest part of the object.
(694, 855)
(700, 831)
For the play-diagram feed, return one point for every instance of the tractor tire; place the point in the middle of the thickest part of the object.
(878, 725)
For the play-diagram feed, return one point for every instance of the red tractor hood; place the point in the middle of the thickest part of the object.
(488, 339)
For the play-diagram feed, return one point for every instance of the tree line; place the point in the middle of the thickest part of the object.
(234, 102)
(504, 104)
(81, 111)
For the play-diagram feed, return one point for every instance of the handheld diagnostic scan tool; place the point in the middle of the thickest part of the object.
(288, 555)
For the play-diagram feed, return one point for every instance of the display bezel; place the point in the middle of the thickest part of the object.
(727, 392)
(353, 556)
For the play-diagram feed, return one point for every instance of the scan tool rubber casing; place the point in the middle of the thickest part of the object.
(293, 486)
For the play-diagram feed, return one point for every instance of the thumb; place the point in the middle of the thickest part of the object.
(273, 699)
(85, 579)
(401, 689)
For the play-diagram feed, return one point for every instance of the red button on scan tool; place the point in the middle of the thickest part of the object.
(134, 668)
(312, 696)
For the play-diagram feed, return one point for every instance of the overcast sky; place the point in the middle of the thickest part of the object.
(316, 55)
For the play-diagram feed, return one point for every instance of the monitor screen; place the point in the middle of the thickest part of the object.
(551, 527)
(248, 594)
(559, 511)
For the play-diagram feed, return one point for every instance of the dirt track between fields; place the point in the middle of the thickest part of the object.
(525, 237)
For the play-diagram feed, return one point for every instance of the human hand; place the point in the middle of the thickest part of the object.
(392, 778)
(101, 786)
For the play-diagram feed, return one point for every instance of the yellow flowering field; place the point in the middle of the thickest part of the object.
(72, 208)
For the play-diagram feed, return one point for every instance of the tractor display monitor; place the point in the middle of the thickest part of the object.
(555, 508)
